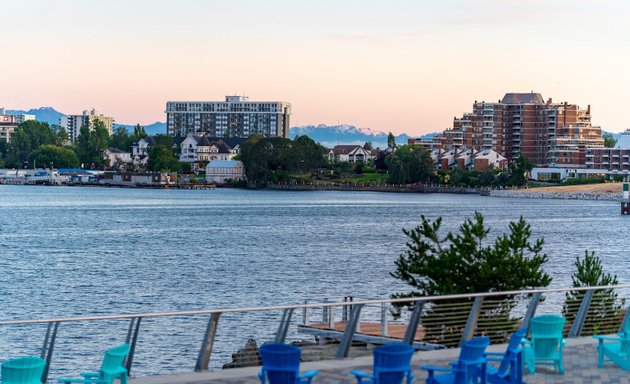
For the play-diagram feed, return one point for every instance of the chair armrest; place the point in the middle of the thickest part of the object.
(493, 354)
(308, 375)
(68, 380)
(362, 375)
(607, 338)
(434, 368)
(494, 359)
(90, 374)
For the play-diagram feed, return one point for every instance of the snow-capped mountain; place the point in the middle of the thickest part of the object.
(331, 135)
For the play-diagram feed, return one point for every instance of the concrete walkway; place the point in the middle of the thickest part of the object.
(580, 362)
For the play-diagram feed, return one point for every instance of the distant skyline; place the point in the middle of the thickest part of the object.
(400, 66)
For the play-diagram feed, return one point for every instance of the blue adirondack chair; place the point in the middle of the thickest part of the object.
(111, 368)
(616, 349)
(281, 365)
(546, 344)
(392, 364)
(23, 370)
(510, 370)
(470, 368)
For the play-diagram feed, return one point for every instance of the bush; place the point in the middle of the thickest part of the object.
(582, 181)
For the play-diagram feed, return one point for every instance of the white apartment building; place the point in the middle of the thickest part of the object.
(234, 117)
(8, 123)
(73, 123)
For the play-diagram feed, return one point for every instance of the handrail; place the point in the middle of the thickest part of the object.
(302, 306)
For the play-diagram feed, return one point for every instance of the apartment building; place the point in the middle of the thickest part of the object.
(73, 123)
(234, 117)
(611, 161)
(8, 123)
(546, 133)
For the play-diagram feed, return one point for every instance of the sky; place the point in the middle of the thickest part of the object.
(397, 65)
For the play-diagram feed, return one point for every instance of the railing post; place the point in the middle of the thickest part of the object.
(414, 321)
(283, 328)
(325, 313)
(471, 323)
(384, 330)
(134, 341)
(580, 316)
(331, 318)
(531, 308)
(351, 326)
(306, 314)
(207, 343)
(49, 350)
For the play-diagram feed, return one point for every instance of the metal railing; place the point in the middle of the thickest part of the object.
(428, 322)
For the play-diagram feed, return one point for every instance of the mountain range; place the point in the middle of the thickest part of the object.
(327, 135)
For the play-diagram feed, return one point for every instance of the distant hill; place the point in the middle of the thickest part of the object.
(157, 128)
(46, 114)
(331, 135)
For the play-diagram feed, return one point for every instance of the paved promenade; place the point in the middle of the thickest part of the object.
(580, 361)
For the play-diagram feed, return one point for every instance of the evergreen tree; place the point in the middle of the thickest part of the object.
(606, 309)
(457, 263)
(391, 142)
(409, 164)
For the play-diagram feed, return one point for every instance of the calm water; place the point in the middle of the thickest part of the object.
(93, 251)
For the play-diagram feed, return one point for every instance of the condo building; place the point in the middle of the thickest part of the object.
(8, 123)
(234, 117)
(546, 133)
(73, 123)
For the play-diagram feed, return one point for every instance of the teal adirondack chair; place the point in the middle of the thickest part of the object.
(470, 368)
(510, 370)
(111, 369)
(617, 349)
(546, 345)
(23, 370)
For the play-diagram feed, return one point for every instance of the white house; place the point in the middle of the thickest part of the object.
(196, 149)
(350, 153)
(116, 157)
(218, 171)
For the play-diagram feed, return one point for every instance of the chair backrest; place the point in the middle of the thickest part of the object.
(470, 355)
(392, 363)
(114, 359)
(546, 334)
(23, 370)
(281, 362)
(513, 348)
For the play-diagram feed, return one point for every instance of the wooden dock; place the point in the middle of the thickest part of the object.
(368, 332)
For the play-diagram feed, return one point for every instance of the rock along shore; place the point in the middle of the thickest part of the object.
(531, 194)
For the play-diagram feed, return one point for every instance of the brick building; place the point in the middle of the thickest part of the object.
(546, 133)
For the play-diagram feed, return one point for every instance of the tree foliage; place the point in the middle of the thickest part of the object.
(605, 305)
(55, 156)
(274, 158)
(609, 140)
(409, 164)
(391, 142)
(91, 145)
(434, 264)
(26, 138)
(161, 158)
(519, 171)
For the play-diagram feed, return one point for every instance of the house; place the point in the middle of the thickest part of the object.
(117, 157)
(139, 179)
(350, 153)
(465, 159)
(219, 171)
(140, 150)
(200, 149)
(488, 158)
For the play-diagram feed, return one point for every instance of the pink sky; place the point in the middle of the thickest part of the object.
(400, 66)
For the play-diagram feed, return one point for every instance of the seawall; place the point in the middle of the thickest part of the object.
(531, 194)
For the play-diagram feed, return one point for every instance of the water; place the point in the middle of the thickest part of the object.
(94, 251)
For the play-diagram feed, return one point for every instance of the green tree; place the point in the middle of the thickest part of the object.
(609, 140)
(91, 145)
(55, 156)
(605, 307)
(519, 170)
(120, 139)
(434, 264)
(26, 138)
(62, 136)
(161, 158)
(409, 164)
(391, 142)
